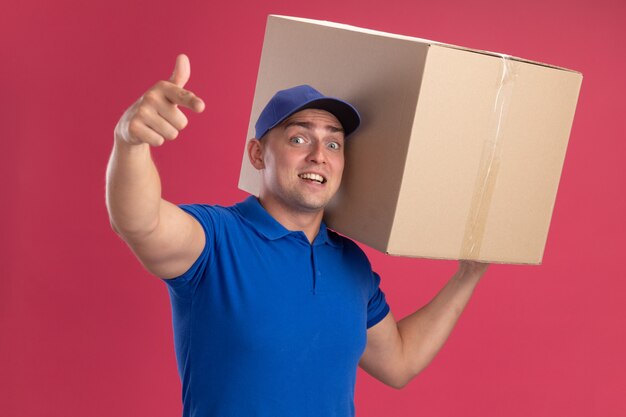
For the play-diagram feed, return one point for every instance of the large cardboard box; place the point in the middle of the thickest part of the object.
(460, 151)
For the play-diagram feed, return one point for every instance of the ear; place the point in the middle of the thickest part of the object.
(255, 153)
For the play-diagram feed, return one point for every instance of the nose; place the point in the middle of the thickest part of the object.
(317, 153)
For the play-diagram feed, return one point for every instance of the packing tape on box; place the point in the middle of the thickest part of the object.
(489, 163)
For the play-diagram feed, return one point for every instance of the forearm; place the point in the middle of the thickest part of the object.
(133, 189)
(424, 332)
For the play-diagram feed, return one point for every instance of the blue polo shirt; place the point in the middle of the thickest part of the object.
(267, 324)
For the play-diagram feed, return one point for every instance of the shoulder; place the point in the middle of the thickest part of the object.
(206, 209)
(349, 247)
(341, 240)
(207, 213)
(214, 219)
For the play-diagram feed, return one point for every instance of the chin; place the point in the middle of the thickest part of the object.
(312, 205)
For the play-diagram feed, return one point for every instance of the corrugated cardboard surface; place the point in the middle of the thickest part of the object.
(459, 154)
(482, 170)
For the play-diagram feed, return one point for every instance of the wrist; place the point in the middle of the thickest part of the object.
(472, 269)
(124, 145)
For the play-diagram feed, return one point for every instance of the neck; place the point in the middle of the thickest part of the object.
(293, 219)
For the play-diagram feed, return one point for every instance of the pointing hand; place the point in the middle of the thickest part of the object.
(155, 117)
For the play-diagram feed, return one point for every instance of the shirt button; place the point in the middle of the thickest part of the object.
(319, 273)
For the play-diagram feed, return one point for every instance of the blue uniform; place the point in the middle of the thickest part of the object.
(267, 324)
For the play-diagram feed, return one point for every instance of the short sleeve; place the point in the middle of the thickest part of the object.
(184, 284)
(377, 307)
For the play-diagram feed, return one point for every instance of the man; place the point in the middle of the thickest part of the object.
(272, 311)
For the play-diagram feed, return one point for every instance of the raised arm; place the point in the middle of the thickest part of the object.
(165, 238)
(396, 352)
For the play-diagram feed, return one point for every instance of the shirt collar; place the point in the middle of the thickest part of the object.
(252, 210)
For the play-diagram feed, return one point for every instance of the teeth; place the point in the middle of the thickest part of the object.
(314, 177)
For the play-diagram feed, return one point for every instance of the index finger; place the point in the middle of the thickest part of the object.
(180, 96)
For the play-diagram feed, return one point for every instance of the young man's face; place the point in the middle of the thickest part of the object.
(303, 161)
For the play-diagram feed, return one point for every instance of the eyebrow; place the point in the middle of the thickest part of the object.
(309, 126)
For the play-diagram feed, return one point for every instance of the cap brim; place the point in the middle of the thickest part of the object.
(347, 115)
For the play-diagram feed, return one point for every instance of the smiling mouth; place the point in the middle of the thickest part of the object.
(313, 177)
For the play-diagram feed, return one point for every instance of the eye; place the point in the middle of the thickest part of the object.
(297, 139)
(334, 146)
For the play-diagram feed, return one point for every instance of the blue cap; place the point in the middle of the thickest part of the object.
(292, 100)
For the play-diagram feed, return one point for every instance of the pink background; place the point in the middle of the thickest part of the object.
(85, 331)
